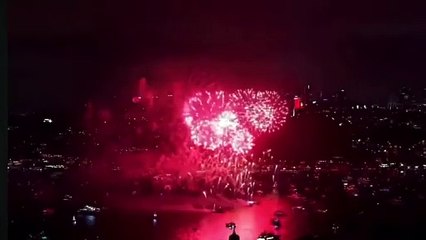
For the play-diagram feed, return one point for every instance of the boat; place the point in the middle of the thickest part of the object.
(88, 209)
(268, 236)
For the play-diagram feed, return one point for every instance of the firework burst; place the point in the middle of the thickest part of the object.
(262, 111)
(219, 120)
(205, 105)
(224, 126)
(223, 132)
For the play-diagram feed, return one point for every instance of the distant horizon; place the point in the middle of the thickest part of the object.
(417, 92)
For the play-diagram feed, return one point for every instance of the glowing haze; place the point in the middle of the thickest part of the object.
(222, 128)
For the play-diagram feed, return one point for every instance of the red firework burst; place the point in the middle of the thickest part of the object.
(231, 133)
(205, 105)
(264, 111)
(220, 121)
(213, 125)
(221, 133)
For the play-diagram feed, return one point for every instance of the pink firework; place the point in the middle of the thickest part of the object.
(221, 133)
(231, 133)
(202, 134)
(205, 106)
(240, 101)
(263, 111)
(268, 113)
(218, 121)
(213, 124)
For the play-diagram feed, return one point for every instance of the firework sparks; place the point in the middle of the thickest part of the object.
(264, 111)
(205, 105)
(214, 125)
(224, 127)
(217, 120)
(223, 132)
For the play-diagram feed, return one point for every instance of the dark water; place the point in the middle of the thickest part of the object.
(132, 220)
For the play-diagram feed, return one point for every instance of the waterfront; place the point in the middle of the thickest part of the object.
(131, 219)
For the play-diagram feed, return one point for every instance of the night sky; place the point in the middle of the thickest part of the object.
(62, 53)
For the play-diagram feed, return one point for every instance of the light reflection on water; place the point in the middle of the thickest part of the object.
(90, 220)
(250, 221)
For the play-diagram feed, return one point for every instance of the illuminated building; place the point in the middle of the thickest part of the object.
(406, 96)
(307, 94)
(298, 104)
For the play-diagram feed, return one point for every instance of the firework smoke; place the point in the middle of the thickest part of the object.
(222, 129)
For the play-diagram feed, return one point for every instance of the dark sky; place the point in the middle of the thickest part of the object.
(63, 52)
